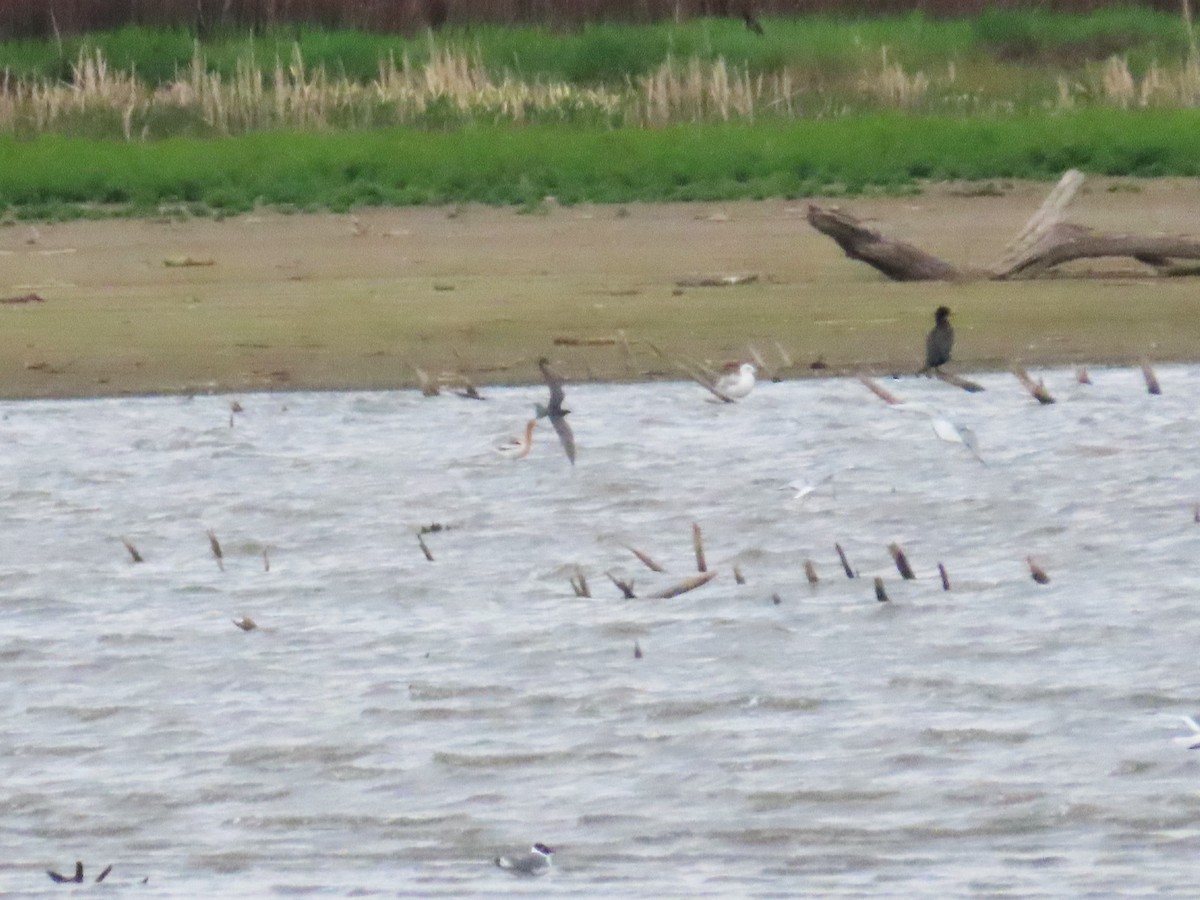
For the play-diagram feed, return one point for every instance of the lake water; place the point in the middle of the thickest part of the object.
(394, 723)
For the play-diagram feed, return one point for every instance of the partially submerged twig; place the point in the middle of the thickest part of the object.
(1151, 380)
(688, 584)
(945, 577)
(698, 546)
(1036, 572)
(958, 381)
(880, 593)
(646, 560)
(879, 391)
(133, 551)
(845, 563)
(810, 572)
(216, 549)
(424, 547)
(1082, 376)
(738, 577)
(901, 562)
(1037, 389)
(579, 584)
(626, 587)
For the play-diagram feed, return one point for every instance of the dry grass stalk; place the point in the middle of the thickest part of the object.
(579, 584)
(738, 577)
(1082, 376)
(845, 563)
(879, 391)
(245, 623)
(1151, 379)
(688, 584)
(945, 577)
(645, 560)
(216, 549)
(1036, 572)
(698, 546)
(810, 572)
(880, 593)
(626, 587)
(1037, 389)
(901, 562)
(637, 650)
(133, 551)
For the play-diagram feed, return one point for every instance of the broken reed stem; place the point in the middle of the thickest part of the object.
(216, 549)
(626, 587)
(810, 572)
(901, 562)
(738, 577)
(579, 584)
(688, 584)
(879, 391)
(424, 547)
(1082, 376)
(880, 593)
(1036, 388)
(945, 577)
(1151, 380)
(133, 551)
(698, 546)
(845, 563)
(1036, 572)
(646, 560)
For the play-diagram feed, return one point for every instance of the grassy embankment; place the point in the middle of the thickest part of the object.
(702, 110)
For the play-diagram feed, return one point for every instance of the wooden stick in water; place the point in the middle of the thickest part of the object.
(626, 587)
(901, 562)
(958, 381)
(810, 572)
(1082, 376)
(579, 584)
(133, 551)
(1151, 380)
(424, 547)
(879, 391)
(1036, 572)
(880, 593)
(698, 546)
(945, 577)
(1036, 388)
(646, 560)
(738, 577)
(688, 584)
(845, 563)
(216, 549)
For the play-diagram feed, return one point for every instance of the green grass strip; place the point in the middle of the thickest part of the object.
(53, 176)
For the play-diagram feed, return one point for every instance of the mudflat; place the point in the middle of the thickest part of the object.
(291, 302)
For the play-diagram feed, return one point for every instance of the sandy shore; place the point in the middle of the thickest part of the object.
(275, 302)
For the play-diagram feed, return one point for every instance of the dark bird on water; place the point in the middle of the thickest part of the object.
(554, 409)
(939, 342)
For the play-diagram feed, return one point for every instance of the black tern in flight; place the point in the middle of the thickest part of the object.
(535, 862)
(554, 409)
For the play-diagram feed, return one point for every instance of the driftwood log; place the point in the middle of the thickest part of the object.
(1044, 243)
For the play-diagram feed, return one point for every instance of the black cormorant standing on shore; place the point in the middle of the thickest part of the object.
(939, 342)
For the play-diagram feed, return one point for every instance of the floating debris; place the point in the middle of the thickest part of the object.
(1151, 380)
(688, 584)
(738, 578)
(646, 560)
(901, 562)
(1036, 572)
(880, 593)
(133, 551)
(845, 563)
(215, 545)
(626, 587)
(245, 623)
(958, 381)
(1037, 389)
(698, 546)
(810, 572)
(637, 650)
(945, 577)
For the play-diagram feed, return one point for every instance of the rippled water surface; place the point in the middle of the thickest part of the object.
(394, 722)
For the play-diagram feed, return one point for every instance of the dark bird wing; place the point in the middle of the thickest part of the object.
(563, 430)
(556, 390)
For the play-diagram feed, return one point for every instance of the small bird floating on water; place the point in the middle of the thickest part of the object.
(554, 411)
(535, 862)
(518, 447)
(939, 342)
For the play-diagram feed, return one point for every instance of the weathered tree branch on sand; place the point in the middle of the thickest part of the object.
(1045, 242)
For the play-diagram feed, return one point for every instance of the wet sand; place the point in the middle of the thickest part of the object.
(290, 302)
